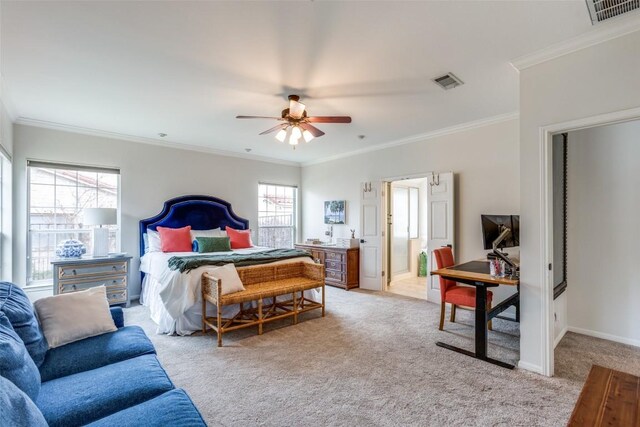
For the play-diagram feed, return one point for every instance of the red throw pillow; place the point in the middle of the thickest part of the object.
(240, 239)
(175, 239)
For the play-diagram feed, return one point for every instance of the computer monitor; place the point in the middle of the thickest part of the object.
(492, 226)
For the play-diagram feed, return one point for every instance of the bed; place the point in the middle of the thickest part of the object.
(174, 298)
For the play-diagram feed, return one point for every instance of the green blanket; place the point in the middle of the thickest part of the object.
(188, 263)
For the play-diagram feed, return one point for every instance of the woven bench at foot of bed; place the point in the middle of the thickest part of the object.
(260, 282)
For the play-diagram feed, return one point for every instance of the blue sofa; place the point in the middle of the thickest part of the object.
(113, 379)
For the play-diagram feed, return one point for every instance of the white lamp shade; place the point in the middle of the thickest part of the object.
(100, 216)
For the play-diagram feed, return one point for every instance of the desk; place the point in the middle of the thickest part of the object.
(476, 273)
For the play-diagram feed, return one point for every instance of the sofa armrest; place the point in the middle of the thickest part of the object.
(118, 316)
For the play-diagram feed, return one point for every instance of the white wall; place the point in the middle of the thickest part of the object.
(485, 161)
(6, 129)
(603, 205)
(149, 175)
(600, 79)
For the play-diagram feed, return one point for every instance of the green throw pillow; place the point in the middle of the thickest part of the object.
(213, 244)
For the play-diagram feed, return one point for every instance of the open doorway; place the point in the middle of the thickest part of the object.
(418, 232)
(406, 228)
(595, 235)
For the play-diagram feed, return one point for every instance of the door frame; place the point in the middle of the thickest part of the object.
(546, 218)
(385, 206)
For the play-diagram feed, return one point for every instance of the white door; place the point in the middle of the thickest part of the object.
(371, 250)
(440, 232)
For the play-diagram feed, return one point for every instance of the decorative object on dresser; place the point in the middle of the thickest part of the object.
(71, 248)
(100, 216)
(342, 265)
(71, 275)
(342, 242)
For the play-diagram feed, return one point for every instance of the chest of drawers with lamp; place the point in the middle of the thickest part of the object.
(77, 274)
(342, 265)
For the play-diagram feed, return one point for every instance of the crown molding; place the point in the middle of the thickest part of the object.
(422, 137)
(600, 33)
(149, 141)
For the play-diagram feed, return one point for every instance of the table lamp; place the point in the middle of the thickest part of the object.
(100, 216)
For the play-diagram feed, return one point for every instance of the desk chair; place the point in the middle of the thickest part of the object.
(453, 293)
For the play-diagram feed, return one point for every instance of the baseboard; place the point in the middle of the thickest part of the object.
(604, 336)
(530, 367)
(563, 332)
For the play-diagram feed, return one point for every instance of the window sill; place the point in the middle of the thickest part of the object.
(38, 286)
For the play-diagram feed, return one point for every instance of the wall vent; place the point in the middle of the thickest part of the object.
(601, 10)
(448, 81)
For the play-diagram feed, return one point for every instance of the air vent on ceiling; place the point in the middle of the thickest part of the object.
(448, 81)
(601, 10)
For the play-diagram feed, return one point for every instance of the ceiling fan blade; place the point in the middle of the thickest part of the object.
(275, 128)
(258, 117)
(296, 109)
(312, 129)
(329, 119)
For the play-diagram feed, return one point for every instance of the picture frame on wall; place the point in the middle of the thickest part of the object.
(335, 212)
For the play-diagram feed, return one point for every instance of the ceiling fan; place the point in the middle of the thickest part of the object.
(297, 124)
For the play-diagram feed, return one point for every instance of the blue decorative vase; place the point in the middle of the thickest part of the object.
(71, 249)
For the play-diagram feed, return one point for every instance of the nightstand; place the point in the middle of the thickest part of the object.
(77, 274)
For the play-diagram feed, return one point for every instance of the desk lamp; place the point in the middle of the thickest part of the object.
(506, 231)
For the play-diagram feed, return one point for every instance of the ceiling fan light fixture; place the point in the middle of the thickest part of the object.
(308, 136)
(296, 109)
(281, 135)
(295, 135)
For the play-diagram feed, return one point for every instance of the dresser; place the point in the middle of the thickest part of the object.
(342, 265)
(71, 275)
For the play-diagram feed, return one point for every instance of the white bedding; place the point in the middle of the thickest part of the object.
(174, 298)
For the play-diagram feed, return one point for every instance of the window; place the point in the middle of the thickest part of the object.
(5, 216)
(414, 213)
(277, 215)
(57, 196)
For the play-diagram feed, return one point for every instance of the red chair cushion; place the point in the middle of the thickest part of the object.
(464, 295)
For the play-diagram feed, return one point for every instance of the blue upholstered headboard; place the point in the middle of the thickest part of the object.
(200, 212)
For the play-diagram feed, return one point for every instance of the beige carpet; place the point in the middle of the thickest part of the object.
(372, 361)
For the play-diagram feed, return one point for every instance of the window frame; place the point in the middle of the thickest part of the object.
(3, 158)
(296, 211)
(64, 166)
(6, 215)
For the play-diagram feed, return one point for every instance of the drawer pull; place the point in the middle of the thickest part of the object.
(73, 286)
(115, 268)
(74, 271)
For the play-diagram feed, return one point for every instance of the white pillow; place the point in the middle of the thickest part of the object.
(229, 276)
(216, 232)
(66, 318)
(153, 241)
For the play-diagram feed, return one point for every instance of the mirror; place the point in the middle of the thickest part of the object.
(559, 159)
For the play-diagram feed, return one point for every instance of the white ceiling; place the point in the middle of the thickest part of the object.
(187, 69)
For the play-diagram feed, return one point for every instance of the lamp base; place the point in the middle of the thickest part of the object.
(100, 242)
